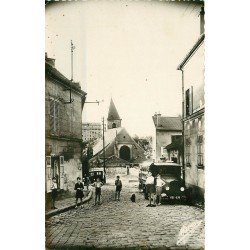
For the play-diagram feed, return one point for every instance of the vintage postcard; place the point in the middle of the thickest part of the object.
(124, 124)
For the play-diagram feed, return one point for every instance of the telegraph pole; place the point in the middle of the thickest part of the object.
(72, 47)
(103, 139)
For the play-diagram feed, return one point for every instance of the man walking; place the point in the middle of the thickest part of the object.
(118, 188)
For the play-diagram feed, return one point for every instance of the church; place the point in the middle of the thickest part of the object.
(120, 147)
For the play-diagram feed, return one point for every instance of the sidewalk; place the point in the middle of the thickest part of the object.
(67, 204)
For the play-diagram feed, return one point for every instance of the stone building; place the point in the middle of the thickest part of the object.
(165, 129)
(64, 101)
(118, 142)
(91, 131)
(192, 68)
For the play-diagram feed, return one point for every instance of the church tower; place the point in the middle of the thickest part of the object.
(114, 120)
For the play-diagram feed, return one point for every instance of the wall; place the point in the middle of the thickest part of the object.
(163, 138)
(194, 76)
(195, 177)
(117, 122)
(70, 115)
(67, 141)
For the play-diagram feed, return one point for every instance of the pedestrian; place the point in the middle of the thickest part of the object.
(53, 192)
(97, 184)
(159, 184)
(86, 183)
(150, 188)
(127, 169)
(79, 191)
(118, 188)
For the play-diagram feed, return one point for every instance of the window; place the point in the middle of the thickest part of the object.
(200, 151)
(187, 151)
(54, 116)
(189, 101)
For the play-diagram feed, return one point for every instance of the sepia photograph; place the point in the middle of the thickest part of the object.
(124, 124)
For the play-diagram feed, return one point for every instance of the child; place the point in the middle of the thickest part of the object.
(53, 192)
(118, 184)
(97, 184)
(79, 191)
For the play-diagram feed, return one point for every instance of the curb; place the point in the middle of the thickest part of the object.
(65, 209)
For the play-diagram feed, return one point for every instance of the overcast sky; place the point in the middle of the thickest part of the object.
(127, 50)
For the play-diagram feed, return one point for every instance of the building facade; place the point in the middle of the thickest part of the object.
(91, 131)
(192, 68)
(119, 144)
(64, 101)
(165, 129)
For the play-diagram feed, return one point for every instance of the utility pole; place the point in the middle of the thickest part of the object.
(183, 134)
(103, 139)
(72, 47)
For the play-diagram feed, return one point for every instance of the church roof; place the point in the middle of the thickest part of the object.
(118, 135)
(113, 114)
(109, 136)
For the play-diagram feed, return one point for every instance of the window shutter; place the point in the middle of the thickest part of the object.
(61, 172)
(48, 177)
(191, 101)
(51, 105)
(56, 117)
(187, 102)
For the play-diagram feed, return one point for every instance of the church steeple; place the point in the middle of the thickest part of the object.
(114, 120)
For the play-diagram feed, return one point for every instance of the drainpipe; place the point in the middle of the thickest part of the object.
(183, 139)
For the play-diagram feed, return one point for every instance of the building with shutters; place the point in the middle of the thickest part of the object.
(165, 129)
(64, 101)
(192, 69)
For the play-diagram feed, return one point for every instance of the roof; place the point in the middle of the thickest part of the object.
(167, 123)
(54, 73)
(119, 135)
(109, 136)
(191, 52)
(176, 144)
(113, 114)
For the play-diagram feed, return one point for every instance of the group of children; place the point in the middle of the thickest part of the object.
(79, 187)
(154, 189)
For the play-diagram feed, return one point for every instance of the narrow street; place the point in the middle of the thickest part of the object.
(123, 224)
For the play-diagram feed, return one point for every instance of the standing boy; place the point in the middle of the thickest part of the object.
(53, 192)
(159, 184)
(79, 191)
(118, 188)
(97, 184)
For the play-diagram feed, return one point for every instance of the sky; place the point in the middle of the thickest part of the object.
(125, 50)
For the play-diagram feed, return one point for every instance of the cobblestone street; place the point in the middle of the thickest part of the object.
(123, 224)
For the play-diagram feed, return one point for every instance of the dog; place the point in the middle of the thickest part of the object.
(132, 198)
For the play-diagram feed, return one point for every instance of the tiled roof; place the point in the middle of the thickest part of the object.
(53, 72)
(109, 136)
(167, 123)
(113, 114)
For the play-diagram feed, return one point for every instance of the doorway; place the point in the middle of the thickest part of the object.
(125, 153)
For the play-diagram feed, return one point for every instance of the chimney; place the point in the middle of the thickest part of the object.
(50, 61)
(157, 118)
(202, 21)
